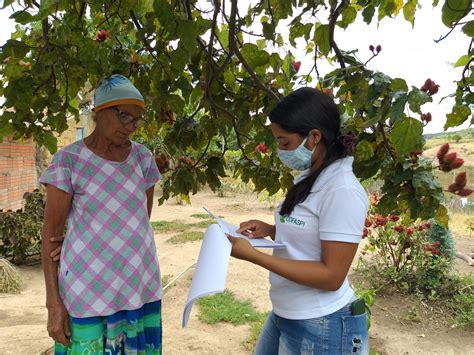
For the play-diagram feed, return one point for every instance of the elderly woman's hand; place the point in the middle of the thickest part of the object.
(56, 253)
(58, 324)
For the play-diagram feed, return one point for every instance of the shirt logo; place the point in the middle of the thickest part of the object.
(291, 220)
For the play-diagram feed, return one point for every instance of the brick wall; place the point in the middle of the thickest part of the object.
(17, 172)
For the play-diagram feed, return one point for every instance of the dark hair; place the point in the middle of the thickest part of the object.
(300, 112)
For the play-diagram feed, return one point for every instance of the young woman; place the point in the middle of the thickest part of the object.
(321, 220)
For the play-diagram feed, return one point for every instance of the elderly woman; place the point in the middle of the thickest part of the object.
(105, 296)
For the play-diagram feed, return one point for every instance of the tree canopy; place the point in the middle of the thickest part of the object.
(211, 73)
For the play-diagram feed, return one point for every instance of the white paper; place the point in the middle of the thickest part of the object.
(211, 268)
(231, 229)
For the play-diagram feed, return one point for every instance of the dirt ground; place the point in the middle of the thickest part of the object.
(23, 316)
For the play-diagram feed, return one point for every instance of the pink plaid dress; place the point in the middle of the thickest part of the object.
(108, 259)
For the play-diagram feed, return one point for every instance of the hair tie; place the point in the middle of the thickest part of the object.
(348, 141)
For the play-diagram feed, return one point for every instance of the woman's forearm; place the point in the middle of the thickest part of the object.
(50, 269)
(309, 273)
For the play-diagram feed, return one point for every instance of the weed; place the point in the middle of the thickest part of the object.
(185, 237)
(224, 307)
(169, 226)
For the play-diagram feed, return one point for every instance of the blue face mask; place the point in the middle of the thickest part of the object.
(297, 159)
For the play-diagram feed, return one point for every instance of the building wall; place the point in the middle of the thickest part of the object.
(17, 172)
(21, 163)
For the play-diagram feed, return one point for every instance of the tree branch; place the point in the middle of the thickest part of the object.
(147, 45)
(233, 49)
(332, 24)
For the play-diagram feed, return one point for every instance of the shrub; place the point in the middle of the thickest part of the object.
(10, 280)
(414, 257)
(20, 231)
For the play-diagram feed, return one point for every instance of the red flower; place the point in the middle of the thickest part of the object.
(442, 151)
(381, 221)
(296, 66)
(101, 35)
(328, 91)
(399, 228)
(464, 192)
(262, 148)
(394, 217)
(458, 162)
(410, 231)
(430, 87)
(365, 233)
(453, 188)
(426, 117)
(461, 179)
(450, 157)
(367, 223)
(415, 153)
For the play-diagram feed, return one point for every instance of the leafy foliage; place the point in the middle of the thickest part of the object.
(20, 231)
(211, 73)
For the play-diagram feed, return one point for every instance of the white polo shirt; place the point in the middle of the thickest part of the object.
(335, 210)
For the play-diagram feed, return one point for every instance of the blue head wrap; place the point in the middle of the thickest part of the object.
(116, 90)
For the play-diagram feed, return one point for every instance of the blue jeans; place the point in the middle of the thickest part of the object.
(336, 333)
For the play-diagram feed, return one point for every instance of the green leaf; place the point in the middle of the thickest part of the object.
(22, 17)
(254, 56)
(423, 179)
(187, 32)
(409, 10)
(442, 216)
(50, 142)
(462, 61)
(407, 136)
(223, 35)
(399, 85)
(398, 106)
(368, 13)
(321, 38)
(459, 114)
(454, 10)
(364, 150)
(299, 30)
(416, 98)
(468, 28)
(268, 30)
(349, 14)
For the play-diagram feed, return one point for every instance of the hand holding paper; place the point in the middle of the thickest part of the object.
(231, 229)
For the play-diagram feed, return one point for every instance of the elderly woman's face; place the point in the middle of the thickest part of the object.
(117, 123)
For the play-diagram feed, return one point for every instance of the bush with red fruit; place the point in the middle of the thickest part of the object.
(402, 255)
(101, 35)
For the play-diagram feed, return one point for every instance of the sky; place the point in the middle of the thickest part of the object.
(408, 53)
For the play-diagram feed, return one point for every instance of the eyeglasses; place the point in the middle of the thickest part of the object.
(127, 118)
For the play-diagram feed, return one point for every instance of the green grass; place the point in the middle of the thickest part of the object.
(169, 226)
(462, 304)
(255, 328)
(165, 279)
(224, 307)
(203, 224)
(200, 215)
(185, 237)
